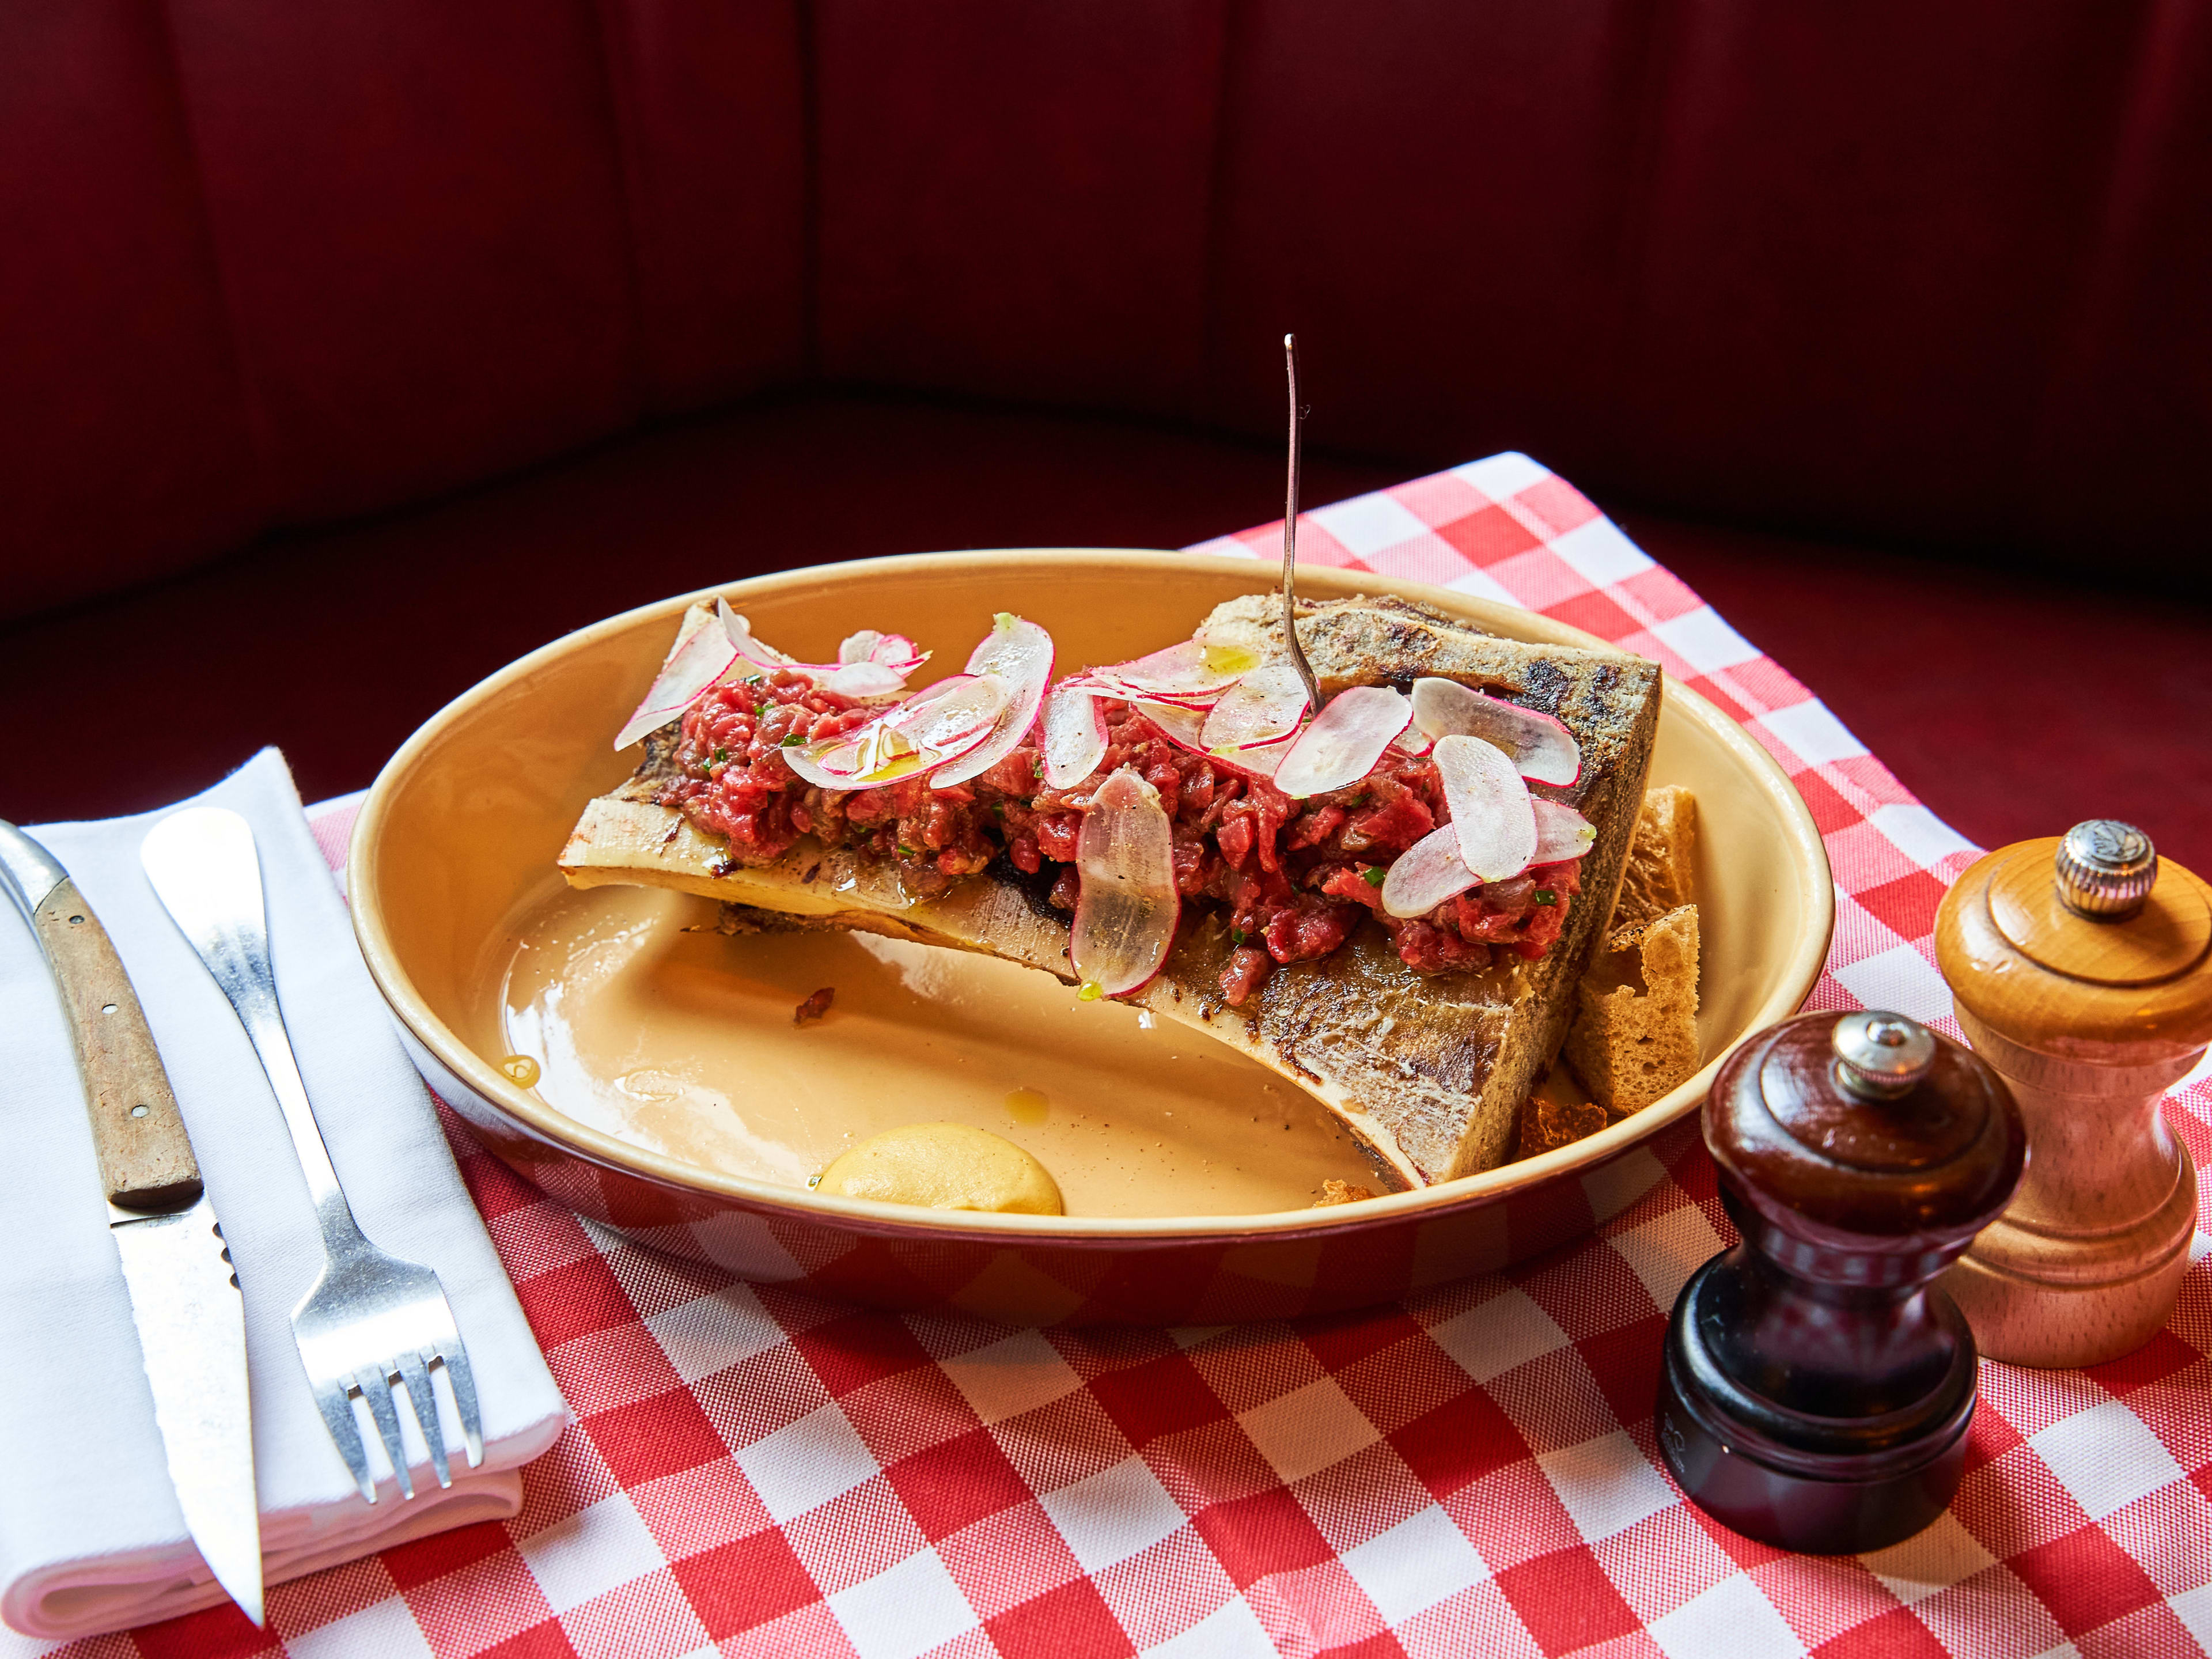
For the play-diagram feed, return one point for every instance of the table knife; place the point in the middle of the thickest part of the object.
(185, 1298)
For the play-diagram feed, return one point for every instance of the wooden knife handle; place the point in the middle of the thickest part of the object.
(146, 1159)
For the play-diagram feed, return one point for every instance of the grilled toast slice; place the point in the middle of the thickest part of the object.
(1428, 1072)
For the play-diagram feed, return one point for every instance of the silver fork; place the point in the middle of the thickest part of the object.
(370, 1320)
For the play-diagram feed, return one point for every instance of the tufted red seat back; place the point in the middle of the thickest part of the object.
(1851, 269)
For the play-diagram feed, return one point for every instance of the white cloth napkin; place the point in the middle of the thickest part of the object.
(91, 1538)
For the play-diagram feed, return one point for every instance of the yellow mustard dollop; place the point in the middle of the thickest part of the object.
(944, 1166)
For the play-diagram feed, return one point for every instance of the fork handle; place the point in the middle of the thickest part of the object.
(146, 1160)
(205, 871)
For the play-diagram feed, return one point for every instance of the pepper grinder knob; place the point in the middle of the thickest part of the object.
(1816, 1386)
(2080, 968)
(2105, 869)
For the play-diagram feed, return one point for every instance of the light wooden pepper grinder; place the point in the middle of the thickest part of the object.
(2081, 968)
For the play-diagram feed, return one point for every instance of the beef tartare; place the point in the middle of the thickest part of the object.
(1294, 876)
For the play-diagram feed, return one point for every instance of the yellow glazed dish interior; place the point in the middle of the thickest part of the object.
(618, 1025)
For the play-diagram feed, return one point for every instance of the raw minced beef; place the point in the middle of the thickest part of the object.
(1296, 877)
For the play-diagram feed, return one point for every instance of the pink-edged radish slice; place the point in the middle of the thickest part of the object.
(882, 674)
(1426, 874)
(1541, 747)
(892, 650)
(1180, 726)
(1345, 740)
(938, 723)
(1262, 707)
(1562, 833)
(699, 663)
(1119, 691)
(1074, 736)
(1492, 809)
(1413, 742)
(1017, 654)
(1125, 914)
(1186, 670)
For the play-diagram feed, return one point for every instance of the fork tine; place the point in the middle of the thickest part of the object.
(336, 1404)
(416, 1376)
(375, 1388)
(455, 1358)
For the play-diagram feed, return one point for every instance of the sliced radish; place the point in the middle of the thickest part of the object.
(1490, 808)
(1180, 726)
(1184, 670)
(1120, 690)
(892, 650)
(1426, 874)
(1413, 742)
(691, 668)
(1017, 654)
(1125, 915)
(1262, 707)
(1345, 740)
(1562, 833)
(1541, 747)
(938, 723)
(878, 670)
(1074, 736)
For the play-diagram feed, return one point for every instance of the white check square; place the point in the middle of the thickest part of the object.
(1702, 639)
(1943, 1554)
(590, 1552)
(1483, 586)
(1010, 1377)
(1114, 1514)
(1667, 1249)
(1599, 553)
(714, 1333)
(1607, 1484)
(1621, 1183)
(2106, 1456)
(907, 1611)
(1489, 1341)
(805, 1464)
(1421, 1561)
(1308, 1429)
(1232, 1630)
(1918, 834)
(1368, 524)
(1732, 1618)
(1502, 475)
(1900, 979)
(386, 1629)
(1812, 732)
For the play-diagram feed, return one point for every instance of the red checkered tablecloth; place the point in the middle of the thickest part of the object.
(1472, 1473)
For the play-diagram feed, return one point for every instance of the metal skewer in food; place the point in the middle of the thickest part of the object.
(2081, 970)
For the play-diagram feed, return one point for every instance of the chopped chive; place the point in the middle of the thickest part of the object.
(1373, 875)
(1545, 896)
(793, 741)
(1236, 935)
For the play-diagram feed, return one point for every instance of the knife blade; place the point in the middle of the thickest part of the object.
(185, 1298)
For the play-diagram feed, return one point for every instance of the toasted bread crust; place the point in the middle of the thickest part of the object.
(1429, 1073)
(1636, 1037)
(1662, 858)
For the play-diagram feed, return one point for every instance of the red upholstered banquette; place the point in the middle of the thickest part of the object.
(1879, 271)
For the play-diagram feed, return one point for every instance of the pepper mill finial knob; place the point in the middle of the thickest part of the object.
(1880, 1056)
(2080, 968)
(2105, 869)
(1817, 1387)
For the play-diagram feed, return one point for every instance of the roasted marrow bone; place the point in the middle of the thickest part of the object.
(1428, 1072)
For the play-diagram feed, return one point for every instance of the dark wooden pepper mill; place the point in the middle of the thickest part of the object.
(1817, 1386)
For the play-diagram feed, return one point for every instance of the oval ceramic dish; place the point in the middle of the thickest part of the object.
(453, 853)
